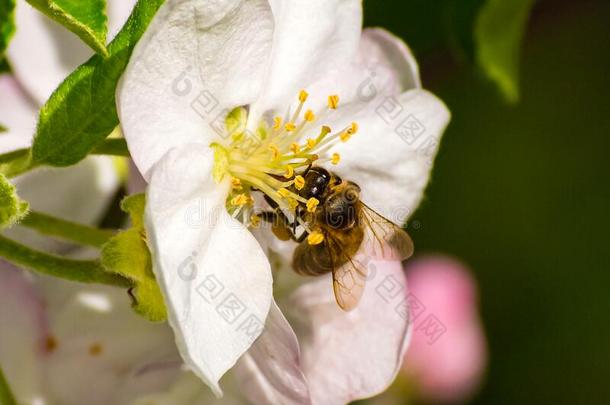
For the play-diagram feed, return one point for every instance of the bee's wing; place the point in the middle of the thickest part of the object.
(349, 278)
(384, 240)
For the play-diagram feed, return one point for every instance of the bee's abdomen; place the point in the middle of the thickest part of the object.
(311, 260)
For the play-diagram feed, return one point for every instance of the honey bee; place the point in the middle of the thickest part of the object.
(349, 233)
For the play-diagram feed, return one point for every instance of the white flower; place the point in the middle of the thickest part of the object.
(287, 71)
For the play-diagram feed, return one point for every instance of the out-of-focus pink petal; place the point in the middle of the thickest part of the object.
(448, 354)
(23, 331)
(357, 354)
(270, 372)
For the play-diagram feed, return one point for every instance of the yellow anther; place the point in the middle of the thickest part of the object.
(309, 116)
(353, 128)
(335, 159)
(295, 148)
(277, 123)
(236, 183)
(312, 204)
(283, 192)
(239, 200)
(290, 126)
(255, 221)
(333, 101)
(345, 135)
(274, 150)
(311, 143)
(315, 238)
(289, 172)
(303, 96)
(299, 182)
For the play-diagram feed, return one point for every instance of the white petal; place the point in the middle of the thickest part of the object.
(311, 39)
(355, 355)
(196, 59)
(383, 65)
(105, 353)
(392, 154)
(23, 333)
(215, 277)
(42, 53)
(381, 48)
(270, 372)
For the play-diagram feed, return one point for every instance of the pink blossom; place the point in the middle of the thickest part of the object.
(447, 356)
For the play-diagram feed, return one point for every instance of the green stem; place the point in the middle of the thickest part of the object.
(84, 271)
(6, 396)
(17, 162)
(82, 234)
(113, 147)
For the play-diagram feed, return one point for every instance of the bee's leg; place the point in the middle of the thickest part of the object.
(280, 224)
(301, 238)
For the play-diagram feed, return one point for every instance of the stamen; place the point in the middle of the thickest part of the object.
(239, 200)
(289, 172)
(333, 101)
(236, 183)
(312, 204)
(276, 161)
(299, 182)
(303, 96)
(309, 116)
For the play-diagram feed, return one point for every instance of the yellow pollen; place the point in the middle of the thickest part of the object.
(311, 143)
(333, 101)
(274, 150)
(239, 200)
(345, 135)
(289, 172)
(255, 221)
(277, 123)
(315, 238)
(299, 182)
(295, 148)
(312, 204)
(290, 126)
(283, 192)
(303, 96)
(335, 159)
(236, 183)
(309, 116)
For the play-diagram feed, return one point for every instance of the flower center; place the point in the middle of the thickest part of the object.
(275, 157)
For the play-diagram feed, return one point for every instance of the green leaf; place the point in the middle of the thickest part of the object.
(85, 18)
(12, 208)
(3, 128)
(81, 113)
(7, 23)
(127, 254)
(499, 31)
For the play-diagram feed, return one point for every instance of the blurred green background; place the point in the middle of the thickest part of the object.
(521, 193)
